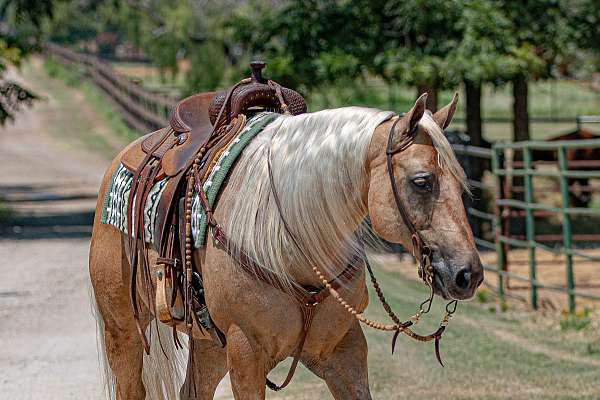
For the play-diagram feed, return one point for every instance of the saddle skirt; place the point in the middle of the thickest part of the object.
(114, 210)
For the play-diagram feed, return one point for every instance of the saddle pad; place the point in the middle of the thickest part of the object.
(114, 209)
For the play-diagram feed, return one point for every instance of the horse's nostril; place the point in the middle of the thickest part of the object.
(463, 278)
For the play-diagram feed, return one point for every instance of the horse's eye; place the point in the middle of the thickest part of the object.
(421, 182)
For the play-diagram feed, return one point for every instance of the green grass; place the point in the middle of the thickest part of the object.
(67, 85)
(557, 99)
(488, 355)
(4, 212)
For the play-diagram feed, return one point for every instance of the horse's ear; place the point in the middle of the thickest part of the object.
(444, 115)
(416, 112)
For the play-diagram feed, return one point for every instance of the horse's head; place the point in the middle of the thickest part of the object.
(429, 184)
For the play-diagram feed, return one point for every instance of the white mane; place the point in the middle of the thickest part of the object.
(319, 169)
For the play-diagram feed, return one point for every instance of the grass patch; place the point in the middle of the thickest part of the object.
(578, 320)
(500, 355)
(75, 77)
(4, 212)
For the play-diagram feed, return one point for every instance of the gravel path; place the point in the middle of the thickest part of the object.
(49, 180)
(47, 333)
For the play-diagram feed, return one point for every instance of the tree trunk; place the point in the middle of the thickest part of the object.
(520, 109)
(474, 124)
(520, 133)
(432, 96)
(474, 165)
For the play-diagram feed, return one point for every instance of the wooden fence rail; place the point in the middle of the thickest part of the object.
(143, 110)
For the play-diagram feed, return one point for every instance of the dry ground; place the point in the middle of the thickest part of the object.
(47, 333)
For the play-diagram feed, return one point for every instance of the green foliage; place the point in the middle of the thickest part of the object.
(73, 22)
(55, 70)
(19, 34)
(435, 43)
(4, 212)
(205, 78)
(484, 295)
(311, 43)
(577, 320)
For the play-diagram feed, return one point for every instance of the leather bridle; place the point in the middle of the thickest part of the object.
(421, 251)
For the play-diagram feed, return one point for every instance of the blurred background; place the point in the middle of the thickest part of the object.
(79, 79)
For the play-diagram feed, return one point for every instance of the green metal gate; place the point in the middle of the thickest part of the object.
(515, 161)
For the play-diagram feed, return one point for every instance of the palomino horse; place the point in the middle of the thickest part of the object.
(330, 169)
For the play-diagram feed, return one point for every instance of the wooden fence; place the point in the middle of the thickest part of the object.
(143, 110)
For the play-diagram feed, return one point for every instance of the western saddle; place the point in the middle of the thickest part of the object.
(200, 126)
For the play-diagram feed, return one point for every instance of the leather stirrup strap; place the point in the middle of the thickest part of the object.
(140, 177)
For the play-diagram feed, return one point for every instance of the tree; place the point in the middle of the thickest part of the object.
(543, 33)
(314, 42)
(479, 57)
(19, 33)
(419, 36)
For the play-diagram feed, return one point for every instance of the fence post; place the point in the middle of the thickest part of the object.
(566, 225)
(530, 224)
(498, 224)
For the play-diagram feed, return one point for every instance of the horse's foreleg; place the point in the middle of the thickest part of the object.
(345, 370)
(210, 366)
(247, 368)
(109, 273)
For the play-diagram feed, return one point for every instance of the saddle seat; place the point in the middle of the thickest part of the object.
(189, 127)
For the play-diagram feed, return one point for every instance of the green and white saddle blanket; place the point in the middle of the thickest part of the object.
(114, 209)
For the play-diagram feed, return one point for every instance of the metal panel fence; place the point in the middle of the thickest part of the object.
(526, 170)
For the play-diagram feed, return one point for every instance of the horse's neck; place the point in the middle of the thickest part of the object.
(333, 178)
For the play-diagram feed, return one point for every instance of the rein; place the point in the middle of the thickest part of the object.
(421, 251)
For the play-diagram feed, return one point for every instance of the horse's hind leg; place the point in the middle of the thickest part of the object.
(345, 370)
(109, 273)
(210, 366)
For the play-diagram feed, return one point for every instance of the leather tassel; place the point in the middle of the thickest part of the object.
(394, 340)
(190, 369)
(438, 337)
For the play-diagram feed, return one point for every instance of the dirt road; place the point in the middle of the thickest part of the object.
(47, 332)
(50, 171)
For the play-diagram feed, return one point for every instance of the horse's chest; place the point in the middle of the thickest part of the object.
(270, 317)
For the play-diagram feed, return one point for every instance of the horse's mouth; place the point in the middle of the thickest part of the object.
(440, 289)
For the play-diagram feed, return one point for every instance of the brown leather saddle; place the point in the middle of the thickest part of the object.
(192, 121)
(200, 126)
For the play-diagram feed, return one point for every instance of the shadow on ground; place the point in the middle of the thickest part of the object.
(45, 212)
